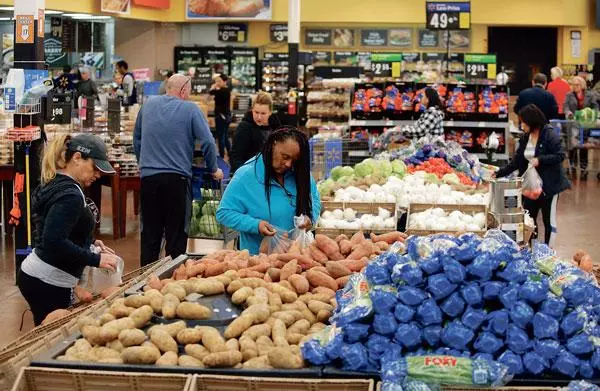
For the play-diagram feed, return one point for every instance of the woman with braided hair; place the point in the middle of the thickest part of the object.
(271, 189)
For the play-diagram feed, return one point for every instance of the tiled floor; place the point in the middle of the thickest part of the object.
(578, 225)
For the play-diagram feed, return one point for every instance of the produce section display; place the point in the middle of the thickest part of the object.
(463, 303)
(328, 103)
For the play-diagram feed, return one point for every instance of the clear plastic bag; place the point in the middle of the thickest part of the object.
(532, 183)
(279, 243)
(300, 235)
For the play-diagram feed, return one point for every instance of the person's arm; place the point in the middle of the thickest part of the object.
(241, 140)
(316, 201)
(201, 132)
(515, 162)
(555, 152)
(94, 88)
(128, 83)
(570, 105)
(233, 212)
(518, 104)
(137, 136)
(58, 225)
(426, 124)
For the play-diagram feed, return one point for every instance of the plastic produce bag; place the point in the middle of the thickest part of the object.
(498, 322)
(516, 271)
(353, 301)
(454, 305)
(354, 356)
(384, 298)
(554, 306)
(474, 318)
(385, 324)
(279, 243)
(534, 290)
(407, 273)
(580, 344)
(300, 235)
(324, 347)
(574, 322)
(428, 313)
(378, 272)
(403, 313)
(545, 326)
(521, 314)
(409, 335)
(431, 265)
(377, 346)
(454, 271)
(534, 363)
(492, 289)
(532, 183)
(439, 286)
(509, 295)
(355, 332)
(484, 356)
(431, 335)
(595, 360)
(567, 364)
(581, 385)
(457, 336)
(517, 339)
(488, 343)
(512, 361)
(392, 369)
(471, 293)
(585, 369)
(411, 296)
(482, 267)
(547, 348)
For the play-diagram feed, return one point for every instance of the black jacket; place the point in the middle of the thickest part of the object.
(63, 226)
(538, 96)
(550, 154)
(249, 139)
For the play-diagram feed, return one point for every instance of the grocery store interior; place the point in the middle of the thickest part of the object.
(430, 220)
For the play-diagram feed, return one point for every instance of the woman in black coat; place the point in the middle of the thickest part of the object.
(253, 131)
(541, 148)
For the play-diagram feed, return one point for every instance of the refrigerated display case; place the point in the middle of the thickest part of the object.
(187, 60)
(217, 59)
(275, 68)
(244, 64)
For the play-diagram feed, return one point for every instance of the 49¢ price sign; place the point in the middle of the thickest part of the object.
(448, 15)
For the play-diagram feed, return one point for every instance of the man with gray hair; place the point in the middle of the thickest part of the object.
(86, 86)
(538, 96)
(166, 130)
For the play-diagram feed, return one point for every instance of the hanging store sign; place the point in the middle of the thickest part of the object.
(386, 64)
(480, 66)
(373, 37)
(317, 37)
(58, 108)
(41, 23)
(53, 53)
(442, 15)
(24, 29)
(115, 6)
(428, 39)
(279, 32)
(344, 58)
(160, 4)
(233, 32)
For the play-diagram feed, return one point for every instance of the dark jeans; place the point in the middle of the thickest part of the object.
(42, 298)
(583, 158)
(222, 130)
(548, 207)
(166, 202)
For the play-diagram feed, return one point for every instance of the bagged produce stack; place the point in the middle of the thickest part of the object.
(466, 303)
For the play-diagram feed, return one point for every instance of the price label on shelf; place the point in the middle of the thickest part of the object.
(381, 69)
(480, 66)
(444, 15)
(279, 32)
(59, 107)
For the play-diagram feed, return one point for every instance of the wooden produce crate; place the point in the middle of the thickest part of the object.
(243, 383)
(469, 209)
(51, 379)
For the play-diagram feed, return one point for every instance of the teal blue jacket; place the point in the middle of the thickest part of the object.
(244, 203)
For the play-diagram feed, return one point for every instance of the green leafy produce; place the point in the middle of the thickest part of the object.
(210, 208)
(325, 188)
(363, 169)
(208, 225)
(196, 208)
(432, 178)
(346, 181)
(339, 172)
(398, 167)
(384, 168)
(451, 179)
(586, 115)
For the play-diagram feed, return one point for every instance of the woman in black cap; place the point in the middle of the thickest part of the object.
(64, 222)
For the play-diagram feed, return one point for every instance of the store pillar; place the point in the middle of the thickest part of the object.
(28, 55)
(293, 46)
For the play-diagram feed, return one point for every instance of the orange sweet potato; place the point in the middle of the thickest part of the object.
(221, 254)
(294, 249)
(342, 281)
(317, 254)
(357, 238)
(383, 246)
(337, 270)
(321, 269)
(230, 265)
(261, 267)
(345, 247)
(389, 238)
(288, 270)
(340, 238)
(274, 273)
(267, 278)
(364, 249)
(247, 273)
(253, 261)
(180, 273)
(165, 282)
(578, 255)
(300, 283)
(240, 263)
(153, 282)
(195, 270)
(329, 247)
(317, 279)
(214, 270)
(302, 260)
(355, 265)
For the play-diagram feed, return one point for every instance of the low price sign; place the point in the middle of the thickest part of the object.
(447, 15)
(386, 64)
(480, 66)
(59, 108)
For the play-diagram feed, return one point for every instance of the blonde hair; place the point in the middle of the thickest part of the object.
(556, 73)
(579, 80)
(263, 98)
(55, 157)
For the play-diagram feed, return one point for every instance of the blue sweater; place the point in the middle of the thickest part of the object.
(164, 137)
(244, 203)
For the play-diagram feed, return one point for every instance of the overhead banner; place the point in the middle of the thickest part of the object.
(448, 15)
(115, 6)
(160, 4)
(226, 10)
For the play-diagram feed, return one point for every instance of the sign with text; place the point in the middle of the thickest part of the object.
(344, 58)
(446, 15)
(480, 66)
(59, 107)
(24, 29)
(41, 23)
(317, 37)
(321, 58)
(53, 53)
(373, 37)
(386, 64)
(337, 72)
(233, 32)
(279, 32)
(428, 39)
(276, 56)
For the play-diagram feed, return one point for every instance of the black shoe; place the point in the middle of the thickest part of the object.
(583, 175)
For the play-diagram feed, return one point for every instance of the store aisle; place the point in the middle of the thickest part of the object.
(578, 224)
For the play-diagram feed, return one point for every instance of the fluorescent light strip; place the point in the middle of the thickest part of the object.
(7, 8)
(5, 19)
(52, 12)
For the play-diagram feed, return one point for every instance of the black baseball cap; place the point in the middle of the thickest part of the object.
(92, 146)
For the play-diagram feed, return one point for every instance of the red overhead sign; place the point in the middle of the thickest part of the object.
(162, 4)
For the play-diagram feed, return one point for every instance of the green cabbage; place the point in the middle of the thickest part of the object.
(363, 169)
(325, 188)
(210, 208)
(398, 167)
(208, 225)
(196, 208)
(347, 171)
(451, 179)
(384, 168)
(432, 178)
(339, 172)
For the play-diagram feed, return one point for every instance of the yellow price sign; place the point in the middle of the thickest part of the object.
(491, 71)
(464, 20)
(396, 69)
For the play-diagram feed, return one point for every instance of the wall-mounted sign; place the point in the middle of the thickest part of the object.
(58, 108)
(337, 72)
(401, 38)
(41, 23)
(459, 39)
(115, 6)
(278, 32)
(56, 27)
(344, 58)
(321, 58)
(343, 38)
(276, 56)
(386, 64)
(442, 15)
(233, 32)
(373, 37)
(317, 37)
(228, 10)
(53, 53)
(576, 43)
(84, 36)
(428, 39)
(24, 29)
(160, 4)
(187, 60)
(480, 66)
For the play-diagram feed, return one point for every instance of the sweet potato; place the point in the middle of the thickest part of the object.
(153, 282)
(180, 273)
(383, 246)
(274, 273)
(586, 264)
(389, 238)
(253, 282)
(294, 248)
(288, 270)
(321, 269)
(300, 283)
(323, 315)
(261, 267)
(341, 237)
(304, 261)
(329, 247)
(325, 291)
(345, 247)
(337, 270)
(355, 265)
(357, 238)
(342, 281)
(320, 279)
(214, 270)
(286, 284)
(317, 254)
(364, 249)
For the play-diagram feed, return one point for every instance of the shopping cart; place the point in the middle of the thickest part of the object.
(579, 140)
